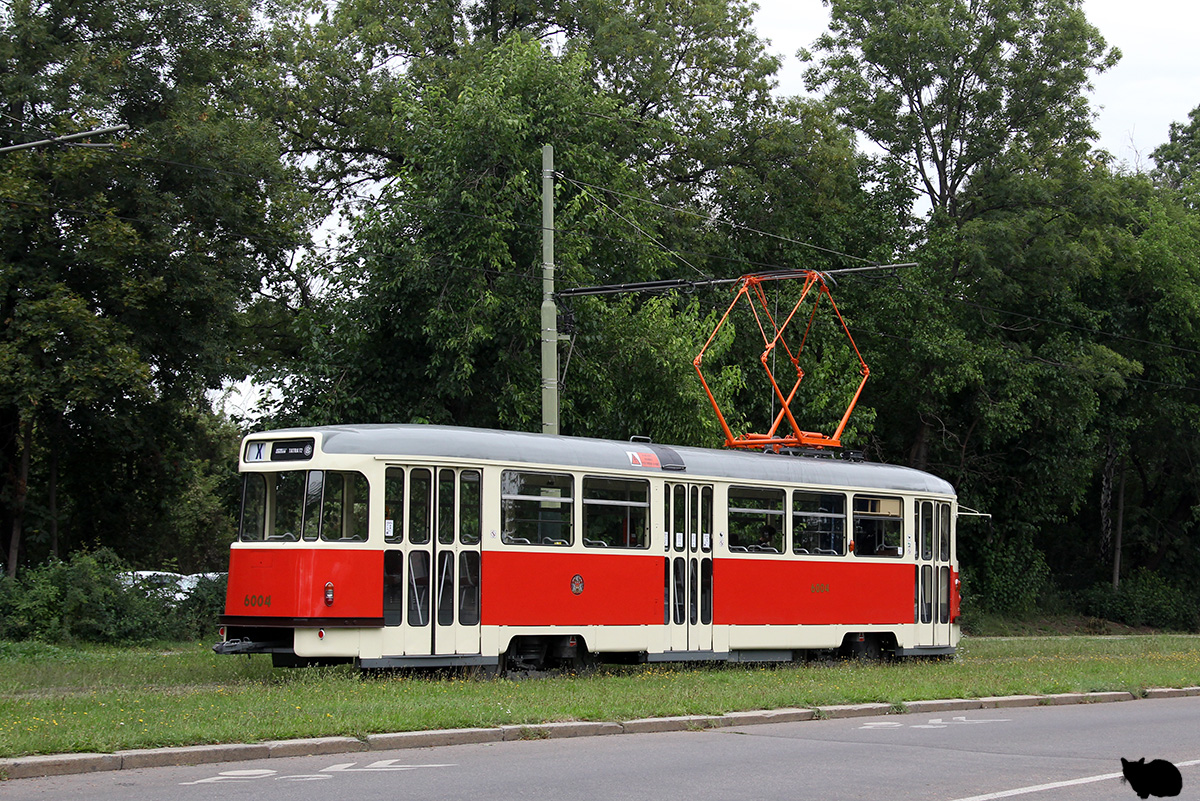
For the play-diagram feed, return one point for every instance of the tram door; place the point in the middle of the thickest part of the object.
(432, 582)
(688, 567)
(932, 590)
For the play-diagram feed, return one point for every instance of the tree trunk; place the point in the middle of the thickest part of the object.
(18, 510)
(52, 499)
(918, 454)
(1116, 576)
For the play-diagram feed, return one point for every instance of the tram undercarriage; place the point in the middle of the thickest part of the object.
(537, 652)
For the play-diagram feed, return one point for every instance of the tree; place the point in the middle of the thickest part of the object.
(1178, 160)
(653, 107)
(124, 270)
(947, 87)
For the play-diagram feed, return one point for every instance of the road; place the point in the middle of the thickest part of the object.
(1041, 753)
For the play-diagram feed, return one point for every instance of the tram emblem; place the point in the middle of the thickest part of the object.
(577, 584)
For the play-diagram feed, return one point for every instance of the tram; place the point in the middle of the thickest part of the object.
(421, 545)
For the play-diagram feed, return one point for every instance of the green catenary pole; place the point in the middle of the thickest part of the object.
(549, 310)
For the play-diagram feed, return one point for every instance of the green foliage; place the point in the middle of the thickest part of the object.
(1004, 577)
(1144, 598)
(125, 270)
(434, 315)
(945, 86)
(1178, 160)
(91, 598)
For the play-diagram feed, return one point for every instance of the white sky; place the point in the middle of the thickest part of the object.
(1157, 81)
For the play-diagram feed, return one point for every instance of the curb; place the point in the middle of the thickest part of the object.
(66, 764)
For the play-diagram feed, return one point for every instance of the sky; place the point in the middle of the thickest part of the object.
(1157, 81)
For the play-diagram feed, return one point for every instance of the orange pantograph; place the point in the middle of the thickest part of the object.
(750, 287)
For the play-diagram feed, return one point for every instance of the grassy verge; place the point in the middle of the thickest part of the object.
(57, 700)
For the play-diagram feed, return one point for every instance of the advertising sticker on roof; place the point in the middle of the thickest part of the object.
(638, 459)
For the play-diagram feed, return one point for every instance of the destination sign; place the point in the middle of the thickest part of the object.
(284, 450)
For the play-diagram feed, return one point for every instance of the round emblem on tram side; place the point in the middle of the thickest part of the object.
(577, 584)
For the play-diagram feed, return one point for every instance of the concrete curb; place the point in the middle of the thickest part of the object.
(64, 764)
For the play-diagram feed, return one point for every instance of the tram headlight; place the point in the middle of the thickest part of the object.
(329, 593)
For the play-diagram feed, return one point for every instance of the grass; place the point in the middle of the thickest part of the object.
(58, 700)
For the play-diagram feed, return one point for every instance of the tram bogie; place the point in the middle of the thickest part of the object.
(404, 546)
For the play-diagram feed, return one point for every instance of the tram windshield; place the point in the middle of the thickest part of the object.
(310, 505)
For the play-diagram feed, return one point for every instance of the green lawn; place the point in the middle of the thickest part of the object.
(56, 700)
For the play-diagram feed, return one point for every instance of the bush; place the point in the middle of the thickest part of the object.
(195, 617)
(1143, 599)
(84, 600)
(1008, 580)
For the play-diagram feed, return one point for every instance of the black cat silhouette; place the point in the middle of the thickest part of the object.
(1159, 778)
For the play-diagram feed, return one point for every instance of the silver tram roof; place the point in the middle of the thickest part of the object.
(451, 442)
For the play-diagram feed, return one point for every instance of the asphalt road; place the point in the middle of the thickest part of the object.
(1038, 753)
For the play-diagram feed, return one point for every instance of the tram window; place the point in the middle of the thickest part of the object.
(314, 493)
(693, 591)
(706, 518)
(679, 516)
(680, 605)
(468, 588)
(536, 508)
(667, 591)
(819, 523)
(944, 593)
(445, 588)
(393, 587)
(445, 506)
(755, 519)
(347, 500)
(926, 594)
(420, 507)
(616, 513)
(284, 525)
(418, 588)
(944, 532)
(878, 526)
(252, 526)
(393, 505)
(470, 513)
(925, 529)
(694, 530)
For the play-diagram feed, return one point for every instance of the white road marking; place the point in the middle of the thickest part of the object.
(1037, 788)
(382, 765)
(934, 723)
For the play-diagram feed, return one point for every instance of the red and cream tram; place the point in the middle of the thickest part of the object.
(410, 545)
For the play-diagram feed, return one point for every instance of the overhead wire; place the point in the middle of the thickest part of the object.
(412, 204)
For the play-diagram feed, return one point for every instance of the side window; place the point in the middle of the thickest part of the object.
(252, 526)
(346, 505)
(679, 516)
(819, 523)
(616, 513)
(944, 532)
(706, 520)
(393, 505)
(925, 533)
(470, 511)
(420, 508)
(755, 520)
(536, 508)
(445, 502)
(878, 526)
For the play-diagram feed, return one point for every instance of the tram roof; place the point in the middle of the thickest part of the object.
(385, 440)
